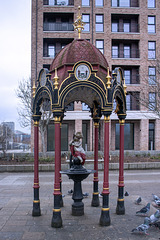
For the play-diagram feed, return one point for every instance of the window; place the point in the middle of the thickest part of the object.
(127, 52)
(151, 4)
(115, 26)
(152, 75)
(51, 138)
(128, 136)
(86, 19)
(100, 45)
(85, 107)
(85, 2)
(151, 136)
(152, 101)
(115, 52)
(127, 76)
(151, 24)
(151, 50)
(128, 102)
(99, 3)
(126, 26)
(99, 23)
(120, 3)
(51, 51)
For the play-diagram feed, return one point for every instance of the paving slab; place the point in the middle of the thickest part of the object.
(16, 201)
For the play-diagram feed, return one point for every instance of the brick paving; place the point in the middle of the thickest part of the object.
(16, 198)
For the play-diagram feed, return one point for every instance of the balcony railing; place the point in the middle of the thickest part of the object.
(122, 54)
(47, 26)
(58, 2)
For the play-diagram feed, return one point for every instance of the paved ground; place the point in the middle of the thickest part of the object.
(16, 197)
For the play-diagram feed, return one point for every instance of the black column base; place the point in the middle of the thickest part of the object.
(61, 201)
(120, 210)
(95, 200)
(78, 209)
(56, 219)
(105, 218)
(36, 212)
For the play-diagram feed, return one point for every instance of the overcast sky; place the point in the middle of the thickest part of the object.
(15, 55)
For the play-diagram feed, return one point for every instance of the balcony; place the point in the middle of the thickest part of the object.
(52, 26)
(125, 23)
(125, 3)
(58, 3)
(125, 54)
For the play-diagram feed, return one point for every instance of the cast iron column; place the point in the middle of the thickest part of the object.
(105, 217)
(60, 177)
(56, 219)
(95, 197)
(120, 210)
(36, 202)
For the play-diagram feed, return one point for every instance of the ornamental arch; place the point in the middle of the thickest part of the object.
(80, 72)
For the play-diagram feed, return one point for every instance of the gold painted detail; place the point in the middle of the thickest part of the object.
(108, 79)
(105, 209)
(79, 24)
(57, 120)
(36, 123)
(105, 188)
(36, 201)
(36, 183)
(96, 125)
(125, 87)
(121, 121)
(34, 89)
(58, 189)
(95, 193)
(106, 118)
(56, 78)
(56, 210)
(121, 199)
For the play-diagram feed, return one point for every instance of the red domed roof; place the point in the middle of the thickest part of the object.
(78, 50)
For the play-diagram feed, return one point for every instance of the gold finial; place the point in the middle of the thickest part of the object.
(79, 24)
(34, 88)
(108, 79)
(125, 87)
(56, 78)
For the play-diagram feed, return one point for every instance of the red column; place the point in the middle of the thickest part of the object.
(36, 202)
(120, 210)
(36, 154)
(96, 128)
(95, 199)
(105, 217)
(57, 156)
(121, 154)
(106, 156)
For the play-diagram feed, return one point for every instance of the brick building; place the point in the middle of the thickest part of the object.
(127, 32)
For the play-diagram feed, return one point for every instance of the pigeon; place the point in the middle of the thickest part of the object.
(70, 191)
(144, 210)
(157, 202)
(85, 194)
(142, 229)
(138, 200)
(156, 224)
(154, 217)
(126, 194)
(155, 197)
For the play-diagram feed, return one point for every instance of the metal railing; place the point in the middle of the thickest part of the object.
(52, 26)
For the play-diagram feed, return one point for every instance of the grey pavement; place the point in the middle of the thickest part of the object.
(16, 199)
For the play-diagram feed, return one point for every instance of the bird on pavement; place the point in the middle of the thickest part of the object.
(85, 194)
(154, 217)
(155, 197)
(144, 210)
(138, 200)
(126, 194)
(142, 229)
(157, 202)
(156, 224)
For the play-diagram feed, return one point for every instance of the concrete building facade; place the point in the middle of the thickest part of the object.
(127, 32)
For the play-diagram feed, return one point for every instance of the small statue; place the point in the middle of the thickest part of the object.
(76, 148)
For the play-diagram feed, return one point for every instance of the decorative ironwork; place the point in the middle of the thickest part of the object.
(79, 24)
